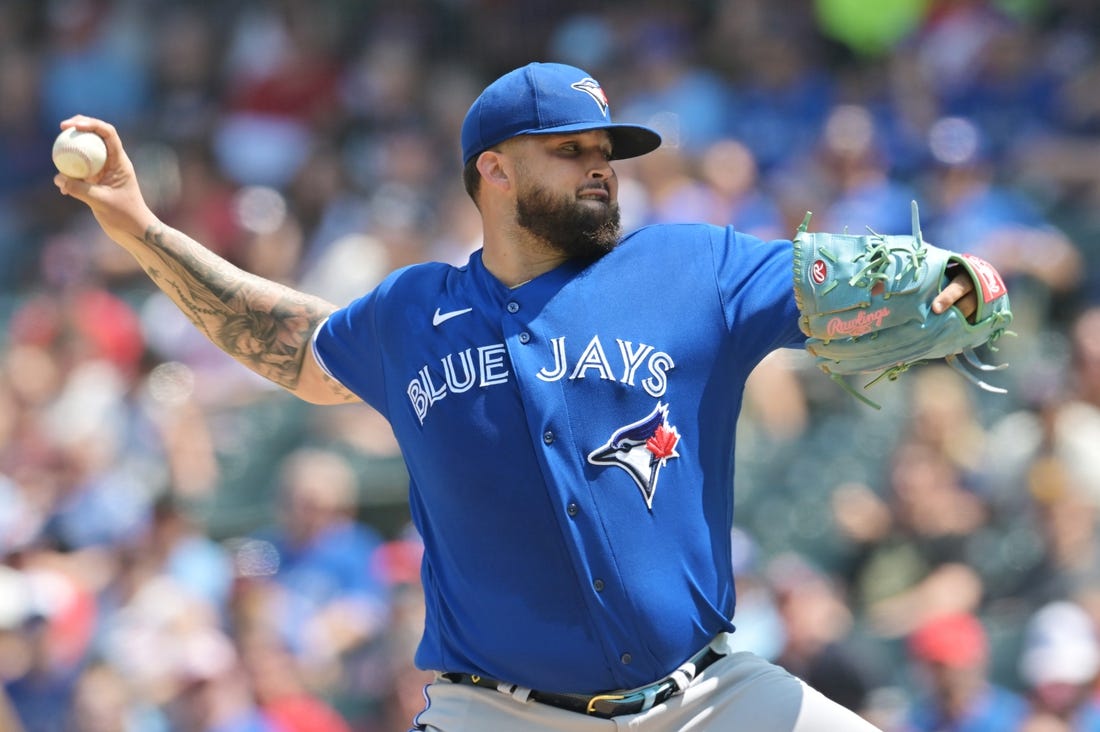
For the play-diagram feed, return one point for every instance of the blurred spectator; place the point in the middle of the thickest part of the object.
(94, 61)
(8, 719)
(199, 566)
(213, 693)
(857, 173)
(51, 609)
(916, 555)
(104, 702)
(951, 42)
(282, 89)
(781, 97)
(318, 592)
(1010, 90)
(950, 655)
(1076, 426)
(943, 414)
(775, 397)
(733, 176)
(817, 625)
(720, 185)
(186, 59)
(1043, 723)
(23, 139)
(43, 689)
(684, 101)
(458, 229)
(399, 562)
(157, 636)
(974, 213)
(1062, 557)
(1059, 664)
(666, 177)
(279, 690)
(1063, 421)
(200, 197)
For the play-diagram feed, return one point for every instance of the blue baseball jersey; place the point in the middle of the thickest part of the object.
(570, 445)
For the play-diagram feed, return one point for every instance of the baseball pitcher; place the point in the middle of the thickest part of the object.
(566, 405)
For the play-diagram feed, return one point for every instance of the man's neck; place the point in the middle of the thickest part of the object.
(516, 258)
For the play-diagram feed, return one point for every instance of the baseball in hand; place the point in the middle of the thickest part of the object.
(79, 154)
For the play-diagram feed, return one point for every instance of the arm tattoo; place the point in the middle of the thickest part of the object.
(264, 325)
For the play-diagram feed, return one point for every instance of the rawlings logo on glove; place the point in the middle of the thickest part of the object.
(866, 304)
(863, 322)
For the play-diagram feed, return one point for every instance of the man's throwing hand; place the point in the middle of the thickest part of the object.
(113, 194)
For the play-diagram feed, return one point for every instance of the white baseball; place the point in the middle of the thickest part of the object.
(79, 154)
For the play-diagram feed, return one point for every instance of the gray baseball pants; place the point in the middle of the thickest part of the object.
(740, 692)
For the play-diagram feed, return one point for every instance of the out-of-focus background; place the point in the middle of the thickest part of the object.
(184, 547)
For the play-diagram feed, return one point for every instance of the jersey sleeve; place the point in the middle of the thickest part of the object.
(348, 347)
(756, 285)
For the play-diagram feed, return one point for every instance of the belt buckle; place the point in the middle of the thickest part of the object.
(658, 691)
(598, 698)
(643, 699)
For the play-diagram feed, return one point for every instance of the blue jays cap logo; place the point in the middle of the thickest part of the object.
(592, 88)
(641, 449)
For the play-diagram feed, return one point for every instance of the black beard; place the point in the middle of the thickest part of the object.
(570, 227)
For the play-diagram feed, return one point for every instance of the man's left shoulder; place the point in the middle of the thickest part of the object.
(662, 241)
(673, 233)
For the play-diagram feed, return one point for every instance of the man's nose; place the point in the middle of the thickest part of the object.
(601, 169)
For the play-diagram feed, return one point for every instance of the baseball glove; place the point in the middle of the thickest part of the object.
(866, 305)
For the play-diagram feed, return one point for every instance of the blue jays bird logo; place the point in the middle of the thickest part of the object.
(641, 449)
(592, 88)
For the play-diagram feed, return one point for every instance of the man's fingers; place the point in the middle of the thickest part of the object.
(90, 124)
(71, 186)
(953, 292)
(960, 293)
(109, 135)
(968, 304)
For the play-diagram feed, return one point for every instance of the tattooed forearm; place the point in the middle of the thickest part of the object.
(262, 324)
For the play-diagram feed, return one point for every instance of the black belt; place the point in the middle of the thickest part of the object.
(610, 704)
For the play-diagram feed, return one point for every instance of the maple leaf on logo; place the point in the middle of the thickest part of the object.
(663, 443)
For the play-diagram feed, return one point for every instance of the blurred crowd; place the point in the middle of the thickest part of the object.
(184, 548)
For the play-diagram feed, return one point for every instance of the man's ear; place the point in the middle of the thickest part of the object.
(491, 165)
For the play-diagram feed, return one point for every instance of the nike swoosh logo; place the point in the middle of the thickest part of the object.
(444, 317)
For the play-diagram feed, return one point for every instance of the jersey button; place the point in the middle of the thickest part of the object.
(513, 307)
(597, 585)
(572, 509)
(548, 437)
(626, 659)
(524, 337)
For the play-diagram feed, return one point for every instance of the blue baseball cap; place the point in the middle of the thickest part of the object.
(543, 99)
